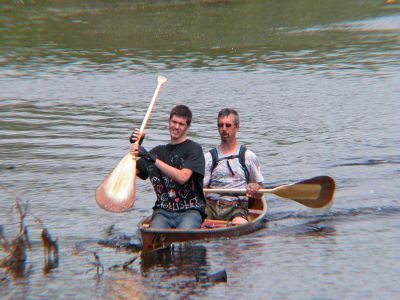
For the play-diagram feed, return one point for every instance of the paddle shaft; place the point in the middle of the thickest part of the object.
(161, 81)
(313, 189)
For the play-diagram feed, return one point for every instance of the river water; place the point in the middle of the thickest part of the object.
(316, 84)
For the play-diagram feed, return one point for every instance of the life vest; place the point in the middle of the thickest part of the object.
(240, 156)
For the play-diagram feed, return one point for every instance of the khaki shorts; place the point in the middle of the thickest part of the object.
(222, 210)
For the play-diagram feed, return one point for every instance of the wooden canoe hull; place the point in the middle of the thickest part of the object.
(153, 238)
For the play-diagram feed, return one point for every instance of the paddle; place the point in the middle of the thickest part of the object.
(315, 192)
(117, 192)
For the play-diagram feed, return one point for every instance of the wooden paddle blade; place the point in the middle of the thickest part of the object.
(315, 192)
(117, 192)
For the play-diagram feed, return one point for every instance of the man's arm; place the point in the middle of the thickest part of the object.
(256, 177)
(193, 163)
(181, 176)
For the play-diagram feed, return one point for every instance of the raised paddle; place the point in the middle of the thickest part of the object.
(117, 192)
(315, 192)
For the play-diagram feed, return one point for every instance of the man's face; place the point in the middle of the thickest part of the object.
(177, 127)
(226, 128)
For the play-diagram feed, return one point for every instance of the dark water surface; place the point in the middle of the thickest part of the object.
(316, 84)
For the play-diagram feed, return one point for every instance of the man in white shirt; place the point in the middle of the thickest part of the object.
(229, 166)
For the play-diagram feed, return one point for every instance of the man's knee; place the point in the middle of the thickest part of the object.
(190, 219)
(239, 220)
(159, 220)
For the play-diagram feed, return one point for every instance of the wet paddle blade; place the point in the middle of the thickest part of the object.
(117, 192)
(316, 192)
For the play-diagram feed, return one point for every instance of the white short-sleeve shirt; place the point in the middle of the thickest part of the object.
(229, 173)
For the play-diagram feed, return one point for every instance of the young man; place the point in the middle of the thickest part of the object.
(176, 171)
(231, 165)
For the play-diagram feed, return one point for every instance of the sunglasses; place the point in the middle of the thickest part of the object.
(227, 125)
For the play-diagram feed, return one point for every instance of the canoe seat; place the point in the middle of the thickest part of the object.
(208, 223)
(255, 211)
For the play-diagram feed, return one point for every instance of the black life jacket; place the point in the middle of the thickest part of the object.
(240, 156)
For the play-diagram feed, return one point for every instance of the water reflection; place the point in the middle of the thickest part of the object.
(180, 270)
(68, 36)
(120, 285)
(179, 260)
(314, 229)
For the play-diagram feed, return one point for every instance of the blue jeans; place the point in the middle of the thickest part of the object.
(166, 219)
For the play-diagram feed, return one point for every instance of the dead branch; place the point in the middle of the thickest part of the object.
(98, 265)
(4, 242)
(22, 213)
(50, 251)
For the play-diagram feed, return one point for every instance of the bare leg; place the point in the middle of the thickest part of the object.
(239, 220)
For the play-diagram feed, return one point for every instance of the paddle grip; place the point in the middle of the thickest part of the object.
(132, 138)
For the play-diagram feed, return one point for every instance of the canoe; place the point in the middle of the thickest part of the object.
(316, 192)
(154, 238)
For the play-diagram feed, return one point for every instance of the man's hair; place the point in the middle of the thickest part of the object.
(182, 111)
(229, 111)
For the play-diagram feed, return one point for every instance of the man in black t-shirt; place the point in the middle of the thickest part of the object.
(176, 171)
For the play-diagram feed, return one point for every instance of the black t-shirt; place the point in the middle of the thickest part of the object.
(173, 196)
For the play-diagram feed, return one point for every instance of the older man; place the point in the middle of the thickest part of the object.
(229, 166)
